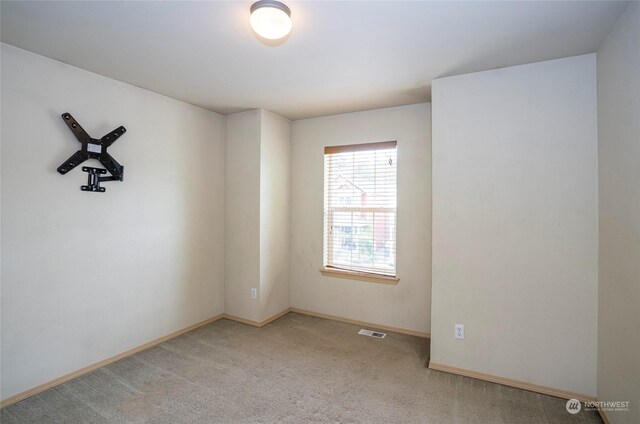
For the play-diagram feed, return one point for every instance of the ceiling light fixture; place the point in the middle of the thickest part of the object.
(270, 19)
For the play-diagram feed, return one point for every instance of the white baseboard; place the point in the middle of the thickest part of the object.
(513, 383)
(258, 324)
(363, 323)
(67, 377)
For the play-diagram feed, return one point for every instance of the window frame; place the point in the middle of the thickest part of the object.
(353, 274)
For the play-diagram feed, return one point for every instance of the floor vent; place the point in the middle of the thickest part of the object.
(372, 333)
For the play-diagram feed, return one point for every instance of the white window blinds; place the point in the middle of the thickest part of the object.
(360, 208)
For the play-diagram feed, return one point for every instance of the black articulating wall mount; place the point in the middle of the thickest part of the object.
(93, 149)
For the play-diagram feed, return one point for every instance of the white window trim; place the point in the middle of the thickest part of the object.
(360, 276)
(330, 271)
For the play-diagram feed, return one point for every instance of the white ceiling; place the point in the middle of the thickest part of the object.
(340, 57)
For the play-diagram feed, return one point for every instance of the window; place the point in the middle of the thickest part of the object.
(360, 209)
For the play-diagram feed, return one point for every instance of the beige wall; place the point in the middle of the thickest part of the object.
(619, 213)
(406, 305)
(86, 276)
(257, 156)
(515, 223)
(275, 152)
(242, 214)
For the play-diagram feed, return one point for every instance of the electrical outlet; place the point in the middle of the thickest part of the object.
(254, 293)
(459, 331)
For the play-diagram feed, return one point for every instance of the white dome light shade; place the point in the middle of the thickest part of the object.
(270, 19)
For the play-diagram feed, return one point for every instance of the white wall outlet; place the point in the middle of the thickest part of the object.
(459, 331)
(254, 293)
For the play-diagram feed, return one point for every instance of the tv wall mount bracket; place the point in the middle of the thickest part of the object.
(93, 149)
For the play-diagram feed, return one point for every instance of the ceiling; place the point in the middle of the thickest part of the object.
(340, 57)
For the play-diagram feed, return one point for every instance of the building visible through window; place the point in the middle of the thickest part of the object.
(360, 208)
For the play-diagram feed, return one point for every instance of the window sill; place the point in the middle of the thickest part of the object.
(361, 276)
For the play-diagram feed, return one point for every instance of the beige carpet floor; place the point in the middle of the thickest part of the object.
(298, 369)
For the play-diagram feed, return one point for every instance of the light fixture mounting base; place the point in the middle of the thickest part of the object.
(271, 3)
